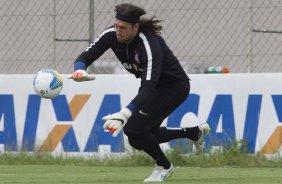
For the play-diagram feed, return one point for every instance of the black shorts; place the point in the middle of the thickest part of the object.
(153, 112)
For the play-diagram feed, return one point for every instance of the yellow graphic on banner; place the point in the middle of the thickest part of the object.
(59, 131)
(274, 142)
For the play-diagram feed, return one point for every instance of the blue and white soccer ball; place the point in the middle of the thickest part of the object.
(48, 83)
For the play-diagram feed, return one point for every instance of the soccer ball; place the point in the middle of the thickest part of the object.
(48, 83)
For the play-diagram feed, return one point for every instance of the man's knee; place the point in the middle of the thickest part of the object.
(132, 137)
(131, 131)
(127, 131)
(135, 144)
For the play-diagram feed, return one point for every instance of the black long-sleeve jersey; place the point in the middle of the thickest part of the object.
(147, 57)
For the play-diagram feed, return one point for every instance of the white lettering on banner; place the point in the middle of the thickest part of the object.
(72, 122)
(2, 123)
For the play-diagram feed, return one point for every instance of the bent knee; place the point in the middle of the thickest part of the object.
(131, 131)
(135, 144)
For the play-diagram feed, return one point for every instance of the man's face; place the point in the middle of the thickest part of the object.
(125, 31)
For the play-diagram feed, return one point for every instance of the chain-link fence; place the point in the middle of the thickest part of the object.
(244, 35)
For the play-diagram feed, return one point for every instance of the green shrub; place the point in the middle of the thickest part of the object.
(232, 155)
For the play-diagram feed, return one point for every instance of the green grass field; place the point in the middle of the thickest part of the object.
(54, 174)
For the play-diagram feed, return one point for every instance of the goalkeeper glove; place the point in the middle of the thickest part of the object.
(81, 75)
(115, 122)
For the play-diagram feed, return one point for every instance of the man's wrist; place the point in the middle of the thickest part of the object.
(132, 108)
(79, 65)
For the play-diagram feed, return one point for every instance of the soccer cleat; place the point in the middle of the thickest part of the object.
(160, 174)
(205, 129)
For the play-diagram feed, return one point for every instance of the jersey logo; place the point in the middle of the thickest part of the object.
(136, 57)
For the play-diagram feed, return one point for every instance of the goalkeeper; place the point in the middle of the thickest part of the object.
(137, 44)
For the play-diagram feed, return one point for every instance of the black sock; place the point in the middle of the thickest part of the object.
(165, 134)
(163, 162)
(193, 133)
(150, 145)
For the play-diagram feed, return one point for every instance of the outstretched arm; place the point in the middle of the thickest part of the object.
(90, 54)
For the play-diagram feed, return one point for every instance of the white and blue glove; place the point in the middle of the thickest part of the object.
(81, 75)
(115, 122)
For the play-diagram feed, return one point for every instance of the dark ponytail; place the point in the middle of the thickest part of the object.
(151, 24)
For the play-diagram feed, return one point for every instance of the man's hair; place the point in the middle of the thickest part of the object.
(151, 24)
(131, 13)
